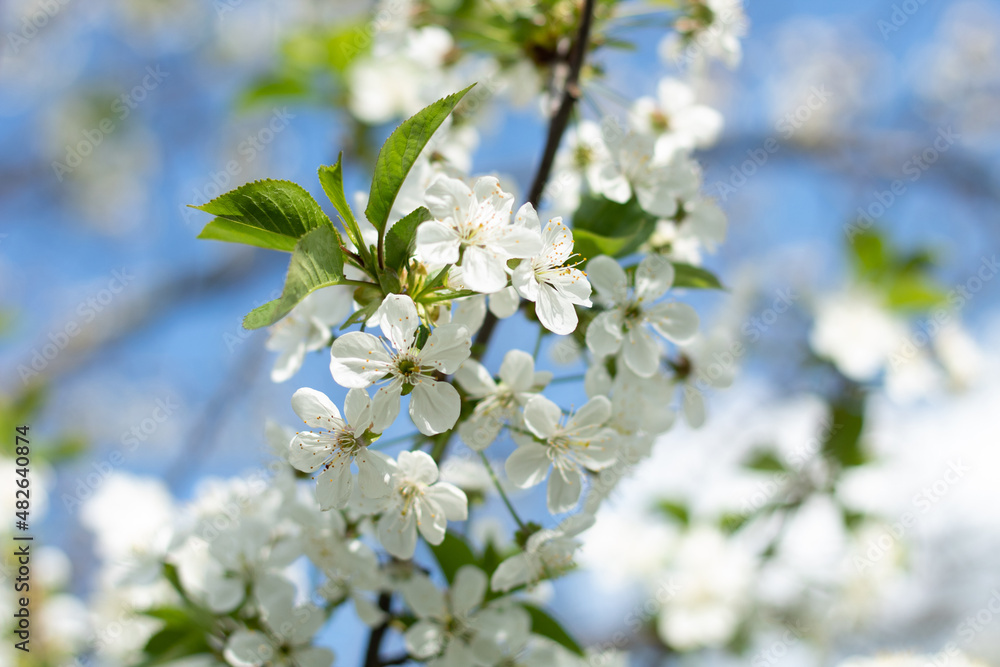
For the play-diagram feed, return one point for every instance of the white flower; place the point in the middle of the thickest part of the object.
(346, 440)
(657, 178)
(544, 279)
(498, 401)
(288, 634)
(701, 225)
(307, 328)
(418, 502)
(583, 157)
(360, 359)
(857, 333)
(673, 115)
(546, 553)
(714, 577)
(580, 443)
(697, 42)
(445, 621)
(623, 326)
(472, 227)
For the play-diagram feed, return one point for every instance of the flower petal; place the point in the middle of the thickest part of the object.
(307, 451)
(473, 377)
(398, 319)
(316, 409)
(517, 242)
(358, 410)
(358, 359)
(565, 487)
(542, 416)
(504, 303)
(418, 466)
(385, 406)
(446, 348)
(594, 412)
(653, 278)
(468, 589)
(424, 639)
(483, 270)
(528, 464)
(434, 406)
(555, 312)
(374, 472)
(604, 334)
(437, 243)
(674, 321)
(641, 352)
(608, 278)
(397, 531)
(518, 370)
(424, 598)
(333, 486)
(450, 499)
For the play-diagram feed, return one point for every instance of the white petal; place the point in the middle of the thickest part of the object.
(424, 639)
(307, 452)
(504, 303)
(674, 321)
(333, 486)
(555, 313)
(385, 406)
(374, 471)
(594, 412)
(248, 648)
(518, 370)
(527, 217)
(517, 242)
(424, 598)
(653, 278)
(604, 333)
(399, 321)
(316, 409)
(523, 280)
(468, 589)
(431, 521)
(542, 416)
(483, 270)
(437, 243)
(448, 198)
(358, 410)
(473, 377)
(398, 533)
(450, 499)
(446, 348)
(608, 278)
(528, 464)
(418, 466)
(565, 487)
(657, 198)
(479, 431)
(313, 656)
(288, 363)
(470, 312)
(514, 571)
(640, 352)
(368, 611)
(694, 407)
(357, 359)
(434, 406)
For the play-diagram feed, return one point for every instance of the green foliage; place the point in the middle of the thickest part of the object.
(674, 510)
(184, 633)
(452, 554)
(399, 153)
(401, 238)
(694, 277)
(543, 624)
(843, 439)
(316, 262)
(267, 214)
(605, 227)
(332, 180)
(904, 279)
(764, 460)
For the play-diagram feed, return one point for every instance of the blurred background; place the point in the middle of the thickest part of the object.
(857, 167)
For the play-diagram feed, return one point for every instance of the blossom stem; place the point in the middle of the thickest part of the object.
(496, 483)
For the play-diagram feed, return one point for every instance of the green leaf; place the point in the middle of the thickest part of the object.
(843, 439)
(399, 153)
(332, 180)
(674, 510)
(452, 554)
(694, 277)
(270, 88)
(546, 626)
(911, 291)
(765, 461)
(399, 240)
(316, 262)
(871, 257)
(605, 227)
(267, 214)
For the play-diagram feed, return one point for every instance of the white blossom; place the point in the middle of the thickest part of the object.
(546, 279)
(345, 441)
(622, 328)
(674, 117)
(359, 359)
(546, 553)
(472, 228)
(307, 329)
(570, 446)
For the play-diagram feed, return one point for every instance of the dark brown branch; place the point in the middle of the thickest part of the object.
(375, 638)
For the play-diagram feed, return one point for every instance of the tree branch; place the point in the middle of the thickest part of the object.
(377, 634)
